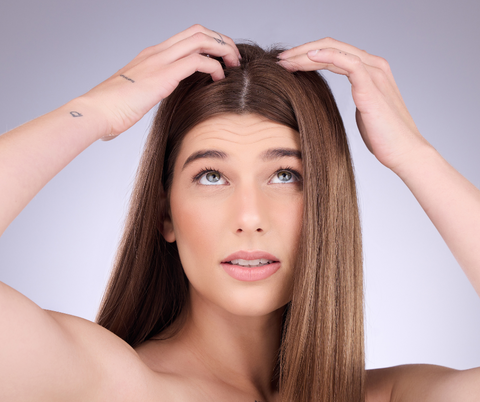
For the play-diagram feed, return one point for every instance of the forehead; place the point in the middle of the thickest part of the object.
(239, 132)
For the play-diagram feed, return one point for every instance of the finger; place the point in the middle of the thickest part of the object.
(201, 43)
(303, 63)
(367, 82)
(331, 43)
(156, 49)
(190, 32)
(186, 66)
(367, 58)
(355, 69)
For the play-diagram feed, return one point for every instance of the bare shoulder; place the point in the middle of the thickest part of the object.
(50, 356)
(422, 382)
(113, 366)
(123, 373)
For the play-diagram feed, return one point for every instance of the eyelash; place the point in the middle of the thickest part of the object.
(295, 173)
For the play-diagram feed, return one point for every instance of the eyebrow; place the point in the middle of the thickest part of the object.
(277, 153)
(203, 154)
(267, 155)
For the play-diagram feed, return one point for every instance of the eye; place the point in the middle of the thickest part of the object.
(285, 176)
(210, 177)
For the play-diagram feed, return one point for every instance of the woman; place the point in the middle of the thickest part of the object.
(241, 193)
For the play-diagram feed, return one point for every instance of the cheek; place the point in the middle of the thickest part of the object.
(197, 228)
(287, 216)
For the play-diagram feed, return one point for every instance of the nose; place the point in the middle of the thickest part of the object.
(249, 209)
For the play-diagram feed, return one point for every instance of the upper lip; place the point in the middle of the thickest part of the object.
(250, 255)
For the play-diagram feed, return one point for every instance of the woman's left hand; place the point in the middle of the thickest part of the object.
(450, 200)
(384, 122)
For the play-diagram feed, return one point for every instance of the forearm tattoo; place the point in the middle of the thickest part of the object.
(128, 79)
(76, 114)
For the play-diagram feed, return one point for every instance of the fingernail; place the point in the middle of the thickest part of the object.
(312, 53)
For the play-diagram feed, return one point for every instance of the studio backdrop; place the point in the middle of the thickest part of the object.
(419, 306)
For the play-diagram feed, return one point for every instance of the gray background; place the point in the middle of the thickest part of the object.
(420, 307)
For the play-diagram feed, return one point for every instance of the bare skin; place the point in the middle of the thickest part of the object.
(226, 349)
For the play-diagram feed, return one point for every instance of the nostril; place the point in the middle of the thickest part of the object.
(240, 230)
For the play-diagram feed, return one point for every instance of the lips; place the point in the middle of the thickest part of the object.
(250, 265)
(250, 256)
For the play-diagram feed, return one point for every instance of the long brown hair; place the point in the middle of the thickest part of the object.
(321, 357)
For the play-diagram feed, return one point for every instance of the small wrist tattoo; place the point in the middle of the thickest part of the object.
(76, 114)
(128, 79)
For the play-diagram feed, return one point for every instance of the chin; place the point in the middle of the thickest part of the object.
(248, 301)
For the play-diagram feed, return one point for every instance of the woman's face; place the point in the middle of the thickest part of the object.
(236, 209)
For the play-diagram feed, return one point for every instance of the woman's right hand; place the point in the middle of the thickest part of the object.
(32, 154)
(129, 94)
(35, 341)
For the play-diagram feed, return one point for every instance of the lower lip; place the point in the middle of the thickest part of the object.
(251, 274)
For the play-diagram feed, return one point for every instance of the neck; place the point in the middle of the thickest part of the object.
(238, 350)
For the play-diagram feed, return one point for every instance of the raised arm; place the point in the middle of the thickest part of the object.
(46, 356)
(451, 201)
(32, 154)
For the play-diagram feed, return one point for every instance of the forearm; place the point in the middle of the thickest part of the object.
(32, 154)
(452, 204)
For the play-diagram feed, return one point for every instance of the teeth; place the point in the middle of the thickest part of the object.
(251, 263)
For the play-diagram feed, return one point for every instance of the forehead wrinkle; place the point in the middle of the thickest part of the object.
(239, 132)
(237, 142)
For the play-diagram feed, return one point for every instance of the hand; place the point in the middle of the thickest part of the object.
(129, 94)
(384, 122)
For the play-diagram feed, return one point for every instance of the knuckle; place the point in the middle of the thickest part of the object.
(197, 27)
(147, 51)
(330, 42)
(195, 57)
(381, 77)
(378, 75)
(198, 36)
(355, 60)
(364, 53)
(383, 63)
(198, 60)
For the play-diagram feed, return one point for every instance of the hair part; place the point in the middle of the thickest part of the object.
(321, 357)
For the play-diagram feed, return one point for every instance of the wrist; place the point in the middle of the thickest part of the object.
(84, 112)
(422, 157)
